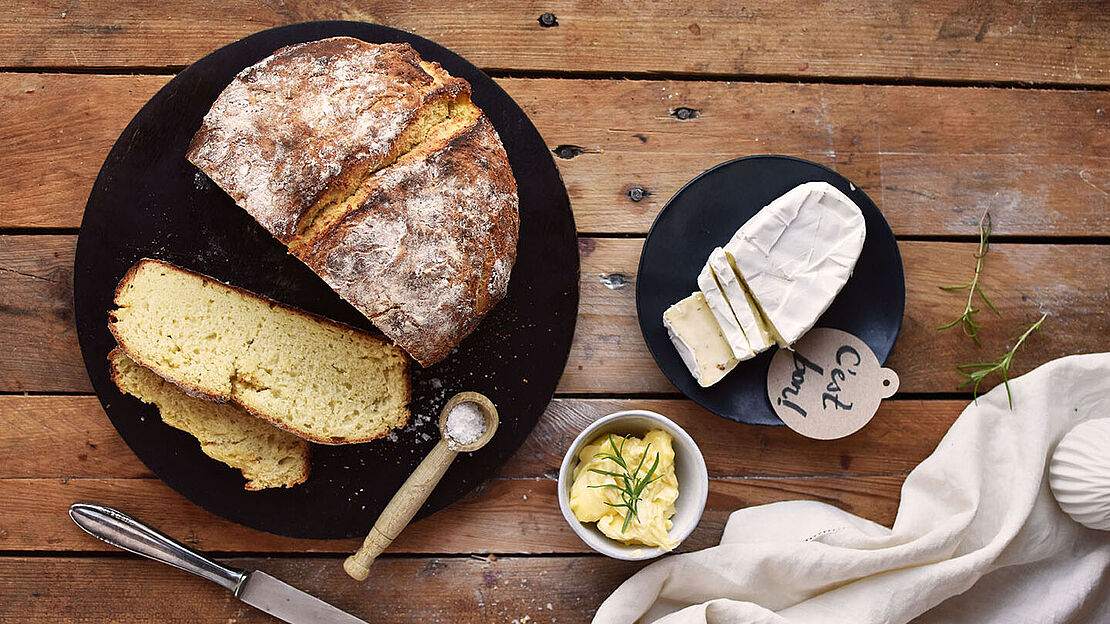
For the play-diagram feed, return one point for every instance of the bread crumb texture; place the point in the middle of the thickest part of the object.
(323, 381)
(267, 456)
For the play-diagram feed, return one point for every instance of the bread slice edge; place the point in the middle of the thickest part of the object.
(198, 392)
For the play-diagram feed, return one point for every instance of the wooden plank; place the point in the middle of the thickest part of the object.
(70, 437)
(608, 354)
(508, 516)
(944, 40)
(931, 158)
(59, 131)
(901, 435)
(38, 335)
(418, 590)
(1022, 281)
(62, 437)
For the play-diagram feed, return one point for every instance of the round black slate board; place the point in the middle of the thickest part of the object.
(703, 215)
(148, 201)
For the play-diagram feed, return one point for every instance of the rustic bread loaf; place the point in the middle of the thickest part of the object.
(384, 178)
(267, 456)
(319, 379)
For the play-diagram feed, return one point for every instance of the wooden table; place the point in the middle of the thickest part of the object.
(938, 112)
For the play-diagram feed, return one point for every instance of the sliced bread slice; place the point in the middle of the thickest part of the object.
(267, 456)
(319, 379)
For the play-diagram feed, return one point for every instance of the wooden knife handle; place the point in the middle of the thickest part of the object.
(400, 510)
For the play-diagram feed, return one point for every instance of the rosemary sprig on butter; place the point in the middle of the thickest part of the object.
(628, 481)
(967, 319)
(976, 372)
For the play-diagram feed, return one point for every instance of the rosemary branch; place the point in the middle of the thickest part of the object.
(967, 319)
(628, 481)
(975, 373)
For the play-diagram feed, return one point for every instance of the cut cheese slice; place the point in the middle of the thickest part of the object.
(739, 301)
(722, 312)
(796, 254)
(699, 340)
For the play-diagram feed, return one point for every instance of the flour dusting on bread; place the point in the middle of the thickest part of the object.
(285, 129)
(378, 172)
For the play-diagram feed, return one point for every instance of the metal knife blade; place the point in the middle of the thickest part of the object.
(281, 600)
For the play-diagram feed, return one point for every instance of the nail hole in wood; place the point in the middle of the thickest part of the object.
(548, 20)
(684, 112)
(638, 193)
(613, 281)
(567, 152)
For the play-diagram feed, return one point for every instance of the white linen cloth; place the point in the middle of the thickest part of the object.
(978, 536)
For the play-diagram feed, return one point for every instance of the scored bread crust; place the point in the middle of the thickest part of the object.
(421, 238)
(196, 391)
(115, 374)
(315, 117)
(427, 249)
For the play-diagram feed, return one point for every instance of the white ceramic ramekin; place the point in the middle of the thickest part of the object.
(693, 481)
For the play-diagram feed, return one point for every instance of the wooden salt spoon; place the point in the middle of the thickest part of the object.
(415, 490)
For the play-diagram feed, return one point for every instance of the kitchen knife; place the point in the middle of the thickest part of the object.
(258, 589)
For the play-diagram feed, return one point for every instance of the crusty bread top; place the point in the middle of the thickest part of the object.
(377, 171)
(426, 250)
(296, 124)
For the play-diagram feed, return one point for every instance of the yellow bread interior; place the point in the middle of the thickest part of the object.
(267, 456)
(320, 380)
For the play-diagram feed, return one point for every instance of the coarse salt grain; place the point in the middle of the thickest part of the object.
(465, 423)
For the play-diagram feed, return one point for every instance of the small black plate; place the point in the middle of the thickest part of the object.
(703, 215)
(149, 201)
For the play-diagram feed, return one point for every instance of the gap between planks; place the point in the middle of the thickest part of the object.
(563, 74)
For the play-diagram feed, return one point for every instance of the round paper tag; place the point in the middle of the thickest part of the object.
(828, 385)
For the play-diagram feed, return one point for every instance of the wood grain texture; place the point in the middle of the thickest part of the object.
(59, 130)
(1023, 280)
(67, 437)
(59, 450)
(901, 435)
(38, 336)
(507, 516)
(458, 590)
(62, 437)
(984, 40)
(932, 158)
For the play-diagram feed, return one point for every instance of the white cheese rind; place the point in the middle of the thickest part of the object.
(722, 312)
(746, 315)
(698, 340)
(797, 253)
